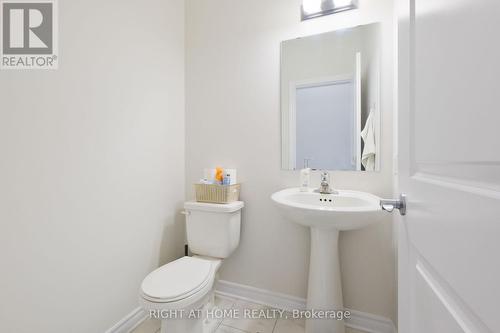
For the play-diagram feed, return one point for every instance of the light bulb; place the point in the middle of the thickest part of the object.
(311, 6)
(342, 3)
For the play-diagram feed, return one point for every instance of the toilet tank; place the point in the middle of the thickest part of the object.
(213, 230)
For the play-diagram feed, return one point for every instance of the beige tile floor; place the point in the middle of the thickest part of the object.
(230, 325)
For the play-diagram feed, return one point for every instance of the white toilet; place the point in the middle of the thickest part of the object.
(179, 288)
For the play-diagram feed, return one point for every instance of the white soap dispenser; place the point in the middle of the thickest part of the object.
(305, 176)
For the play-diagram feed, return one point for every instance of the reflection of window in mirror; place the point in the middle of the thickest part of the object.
(329, 87)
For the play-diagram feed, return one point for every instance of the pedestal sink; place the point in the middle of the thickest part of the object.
(326, 215)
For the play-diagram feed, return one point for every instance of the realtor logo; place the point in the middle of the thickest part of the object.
(29, 39)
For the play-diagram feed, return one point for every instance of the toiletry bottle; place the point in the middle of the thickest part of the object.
(227, 179)
(231, 175)
(305, 178)
(209, 175)
(219, 172)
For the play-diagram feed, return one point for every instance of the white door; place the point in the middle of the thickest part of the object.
(449, 165)
(314, 104)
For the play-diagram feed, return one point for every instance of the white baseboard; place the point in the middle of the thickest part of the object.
(129, 322)
(370, 323)
(259, 296)
(361, 321)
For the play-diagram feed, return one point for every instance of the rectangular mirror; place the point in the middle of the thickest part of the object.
(330, 100)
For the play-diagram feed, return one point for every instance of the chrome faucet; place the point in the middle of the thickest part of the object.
(325, 188)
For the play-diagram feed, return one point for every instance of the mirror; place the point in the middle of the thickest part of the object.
(330, 103)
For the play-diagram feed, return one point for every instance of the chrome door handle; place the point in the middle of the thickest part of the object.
(390, 205)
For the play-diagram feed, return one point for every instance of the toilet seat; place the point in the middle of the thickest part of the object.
(178, 280)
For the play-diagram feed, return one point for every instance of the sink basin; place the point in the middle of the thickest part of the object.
(345, 210)
(327, 215)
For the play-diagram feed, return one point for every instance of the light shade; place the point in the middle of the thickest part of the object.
(316, 8)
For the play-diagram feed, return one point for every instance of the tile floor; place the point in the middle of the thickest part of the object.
(241, 325)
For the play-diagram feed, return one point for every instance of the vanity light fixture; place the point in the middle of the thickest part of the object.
(315, 8)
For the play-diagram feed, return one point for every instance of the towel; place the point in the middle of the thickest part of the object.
(370, 147)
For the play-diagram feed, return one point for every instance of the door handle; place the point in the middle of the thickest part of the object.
(390, 205)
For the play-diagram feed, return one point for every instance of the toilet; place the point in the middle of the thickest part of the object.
(180, 291)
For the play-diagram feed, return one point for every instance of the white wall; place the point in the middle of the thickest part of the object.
(92, 167)
(233, 120)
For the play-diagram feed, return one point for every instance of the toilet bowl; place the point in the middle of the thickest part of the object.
(177, 293)
(180, 292)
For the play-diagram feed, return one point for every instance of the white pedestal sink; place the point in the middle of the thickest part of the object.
(326, 215)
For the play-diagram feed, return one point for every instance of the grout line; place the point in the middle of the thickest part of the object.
(236, 328)
(274, 327)
(233, 302)
(216, 327)
(220, 323)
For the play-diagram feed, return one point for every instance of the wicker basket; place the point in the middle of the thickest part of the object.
(217, 193)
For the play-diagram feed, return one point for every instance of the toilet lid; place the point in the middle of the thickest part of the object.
(177, 279)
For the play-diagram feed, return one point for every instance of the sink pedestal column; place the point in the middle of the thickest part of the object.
(324, 286)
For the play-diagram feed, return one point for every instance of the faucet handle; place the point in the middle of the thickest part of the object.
(325, 176)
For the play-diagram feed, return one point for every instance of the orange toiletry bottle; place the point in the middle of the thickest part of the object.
(219, 175)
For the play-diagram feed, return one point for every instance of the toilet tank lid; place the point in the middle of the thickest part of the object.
(211, 207)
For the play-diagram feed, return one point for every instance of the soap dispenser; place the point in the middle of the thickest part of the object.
(305, 176)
